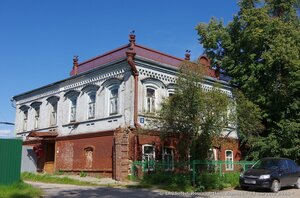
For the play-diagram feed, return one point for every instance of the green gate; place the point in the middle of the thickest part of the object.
(10, 161)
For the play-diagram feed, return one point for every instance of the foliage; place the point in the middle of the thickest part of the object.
(213, 181)
(19, 190)
(260, 50)
(168, 181)
(194, 115)
(54, 179)
(82, 174)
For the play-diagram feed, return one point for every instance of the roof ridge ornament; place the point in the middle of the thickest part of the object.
(75, 64)
(187, 55)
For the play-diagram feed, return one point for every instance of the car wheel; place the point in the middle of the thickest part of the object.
(297, 185)
(275, 186)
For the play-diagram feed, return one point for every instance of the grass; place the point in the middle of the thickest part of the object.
(46, 178)
(19, 190)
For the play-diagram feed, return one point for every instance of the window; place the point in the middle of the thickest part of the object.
(148, 157)
(114, 101)
(53, 116)
(92, 105)
(229, 159)
(36, 117)
(25, 118)
(168, 159)
(73, 104)
(150, 100)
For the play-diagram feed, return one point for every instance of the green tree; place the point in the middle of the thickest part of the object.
(196, 116)
(260, 50)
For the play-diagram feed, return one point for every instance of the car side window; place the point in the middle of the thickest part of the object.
(292, 165)
(283, 165)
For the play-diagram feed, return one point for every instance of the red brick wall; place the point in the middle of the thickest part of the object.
(72, 156)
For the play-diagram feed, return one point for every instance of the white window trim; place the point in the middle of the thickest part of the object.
(110, 89)
(143, 155)
(71, 99)
(25, 120)
(89, 94)
(153, 87)
(229, 166)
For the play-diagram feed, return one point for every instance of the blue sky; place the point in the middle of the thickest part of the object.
(39, 38)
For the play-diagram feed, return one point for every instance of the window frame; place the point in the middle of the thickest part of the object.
(91, 105)
(147, 164)
(229, 167)
(169, 165)
(73, 106)
(114, 100)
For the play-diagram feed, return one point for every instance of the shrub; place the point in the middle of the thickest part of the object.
(168, 181)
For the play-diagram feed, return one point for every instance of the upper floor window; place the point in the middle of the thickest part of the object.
(114, 101)
(53, 101)
(72, 96)
(73, 106)
(36, 117)
(91, 105)
(150, 100)
(53, 115)
(24, 110)
(36, 107)
(25, 118)
(229, 159)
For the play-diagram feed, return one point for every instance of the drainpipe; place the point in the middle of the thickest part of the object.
(130, 59)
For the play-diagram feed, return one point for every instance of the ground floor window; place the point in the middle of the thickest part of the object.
(148, 157)
(229, 159)
(168, 159)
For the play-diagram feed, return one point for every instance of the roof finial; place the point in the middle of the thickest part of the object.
(132, 38)
(187, 55)
(75, 65)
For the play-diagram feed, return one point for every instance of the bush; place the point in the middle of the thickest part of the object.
(213, 181)
(168, 181)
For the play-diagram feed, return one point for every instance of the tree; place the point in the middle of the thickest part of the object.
(260, 50)
(196, 116)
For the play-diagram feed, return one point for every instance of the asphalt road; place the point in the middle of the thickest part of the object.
(62, 190)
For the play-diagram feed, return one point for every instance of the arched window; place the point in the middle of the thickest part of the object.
(53, 110)
(150, 100)
(36, 107)
(229, 159)
(91, 105)
(91, 92)
(72, 96)
(114, 100)
(24, 109)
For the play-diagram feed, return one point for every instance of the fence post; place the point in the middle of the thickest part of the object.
(194, 172)
(221, 164)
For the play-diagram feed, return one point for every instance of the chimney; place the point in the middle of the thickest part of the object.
(75, 65)
(187, 55)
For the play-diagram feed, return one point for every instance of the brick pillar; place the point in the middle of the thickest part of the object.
(121, 154)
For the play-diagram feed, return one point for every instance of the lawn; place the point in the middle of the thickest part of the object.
(19, 190)
(46, 178)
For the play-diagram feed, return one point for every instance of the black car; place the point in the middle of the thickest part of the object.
(271, 173)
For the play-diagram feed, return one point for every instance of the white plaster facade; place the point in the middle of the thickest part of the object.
(153, 74)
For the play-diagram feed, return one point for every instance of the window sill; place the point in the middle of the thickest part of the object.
(92, 120)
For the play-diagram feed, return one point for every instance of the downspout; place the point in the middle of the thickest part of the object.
(130, 59)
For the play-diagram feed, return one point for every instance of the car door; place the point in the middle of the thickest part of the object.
(293, 172)
(284, 173)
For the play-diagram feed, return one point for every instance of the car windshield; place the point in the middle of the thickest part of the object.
(268, 164)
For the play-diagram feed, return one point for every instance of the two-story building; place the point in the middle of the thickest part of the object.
(90, 121)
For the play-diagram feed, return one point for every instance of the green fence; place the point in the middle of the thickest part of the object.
(193, 167)
(10, 161)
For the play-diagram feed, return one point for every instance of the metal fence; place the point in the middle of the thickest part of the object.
(194, 167)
